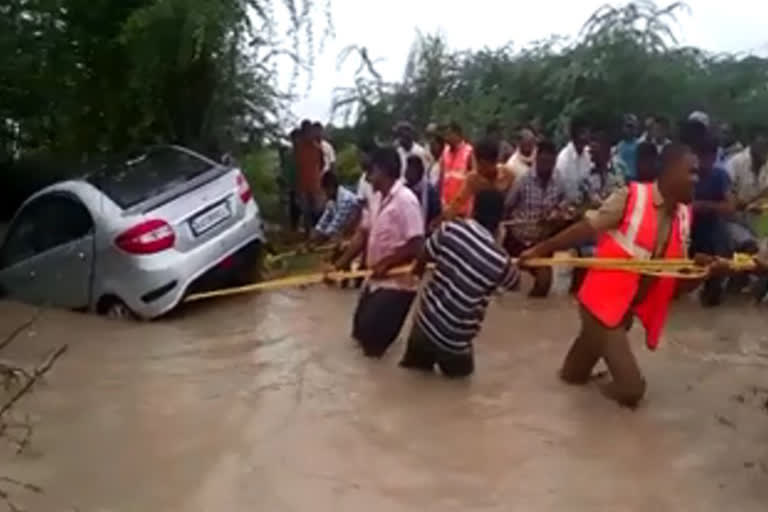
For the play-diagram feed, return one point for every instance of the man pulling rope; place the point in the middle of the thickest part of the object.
(643, 221)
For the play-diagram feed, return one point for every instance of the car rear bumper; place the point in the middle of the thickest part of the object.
(153, 285)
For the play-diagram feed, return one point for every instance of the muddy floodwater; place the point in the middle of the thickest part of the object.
(263, 403)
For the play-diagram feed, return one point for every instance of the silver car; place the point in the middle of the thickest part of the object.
(134, 237)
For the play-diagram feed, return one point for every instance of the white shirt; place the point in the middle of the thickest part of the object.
(365, 192)
(519, 165)
(572, 169)
(416, 150)
(329, 155)
(434, 173)
(746, 186)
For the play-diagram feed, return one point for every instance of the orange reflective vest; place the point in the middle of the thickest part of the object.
(455, 167)
(609, 294)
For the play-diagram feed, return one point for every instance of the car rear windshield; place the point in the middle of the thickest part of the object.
(154, 172)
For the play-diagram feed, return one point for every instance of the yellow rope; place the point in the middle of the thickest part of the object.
(678, 268)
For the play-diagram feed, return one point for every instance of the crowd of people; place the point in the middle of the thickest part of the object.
(468, 207)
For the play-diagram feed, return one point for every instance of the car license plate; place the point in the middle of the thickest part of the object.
(210, 218)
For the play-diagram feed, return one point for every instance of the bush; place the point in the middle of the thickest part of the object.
(348, 165)
(262, 169)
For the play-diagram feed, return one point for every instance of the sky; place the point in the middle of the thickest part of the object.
(388, 28)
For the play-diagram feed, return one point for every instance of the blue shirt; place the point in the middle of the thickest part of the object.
(712, 187)
(626, 159)
(338, 213)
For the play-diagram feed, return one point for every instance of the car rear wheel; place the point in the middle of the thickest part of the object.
(112, 307)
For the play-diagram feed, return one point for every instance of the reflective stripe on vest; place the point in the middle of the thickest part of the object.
(455, 174)
(641, 196)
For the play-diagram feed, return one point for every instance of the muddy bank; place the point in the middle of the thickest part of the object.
(263, 403)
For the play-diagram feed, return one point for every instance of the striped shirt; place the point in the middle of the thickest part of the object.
(469, 266)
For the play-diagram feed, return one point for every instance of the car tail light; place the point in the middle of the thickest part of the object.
(146, 238)
(243, 188)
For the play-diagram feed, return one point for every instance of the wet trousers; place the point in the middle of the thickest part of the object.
(595, 342)
(422, 354)
(379, 317)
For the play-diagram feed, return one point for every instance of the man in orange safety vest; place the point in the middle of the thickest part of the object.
(641, 221)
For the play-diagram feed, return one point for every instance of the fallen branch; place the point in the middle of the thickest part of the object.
(23, 485)
(18, 330)
(38, 372)
(5, 495)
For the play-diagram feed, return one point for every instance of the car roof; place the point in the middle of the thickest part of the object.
(89, 193)
(79, 187)
(102, 165)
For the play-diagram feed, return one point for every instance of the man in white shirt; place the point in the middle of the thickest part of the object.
(524, 156)
(574, 162)
(329, 154)
(748, 171)
(405, 137)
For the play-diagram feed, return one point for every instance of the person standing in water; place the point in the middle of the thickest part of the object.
(469, 267)
(644, 220)
(393, 227)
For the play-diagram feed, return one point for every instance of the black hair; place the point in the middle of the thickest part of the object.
(693, 132)
(317, 124)
(647, 151)
(367, 146)
(707, 146)
(489, 208)
(487, 149)
(329, 179)
(388, 160)
(663, 121)
(417, 163)
(577, 125)
(602, 135)
(455, 127)
(757, 131)
(295, 133)
(672, 153)
(305, 125)
(546, 146)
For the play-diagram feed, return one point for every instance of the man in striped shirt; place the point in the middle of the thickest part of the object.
(469, 266)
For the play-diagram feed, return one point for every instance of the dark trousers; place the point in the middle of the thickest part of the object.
(311, 210)
(595, 342)
(379, 317)
(422, 354)
(712, 238)
(294, 210)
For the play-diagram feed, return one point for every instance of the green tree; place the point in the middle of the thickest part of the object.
(625, 59)
(81, 76)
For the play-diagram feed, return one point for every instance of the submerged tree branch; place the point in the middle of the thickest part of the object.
(20, 329)
(38, 372)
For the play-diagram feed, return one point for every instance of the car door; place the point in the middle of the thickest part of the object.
(48, 255)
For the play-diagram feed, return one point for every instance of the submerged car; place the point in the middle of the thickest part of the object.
(134, 237)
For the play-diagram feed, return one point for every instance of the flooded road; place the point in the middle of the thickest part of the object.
(264, 403)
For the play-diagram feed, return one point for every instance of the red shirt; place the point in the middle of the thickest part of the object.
(309, 159)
